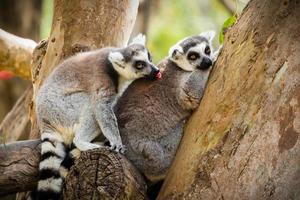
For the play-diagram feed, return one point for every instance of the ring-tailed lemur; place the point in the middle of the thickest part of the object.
(75, 104)
(151, 123)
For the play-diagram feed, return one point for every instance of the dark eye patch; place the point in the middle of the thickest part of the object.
(140, 64)
(149, 57)
(207, 50)
(193, 55)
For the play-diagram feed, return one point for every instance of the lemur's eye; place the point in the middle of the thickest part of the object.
(193, 56)
(139, 64)
(207, 50)
(149, 57)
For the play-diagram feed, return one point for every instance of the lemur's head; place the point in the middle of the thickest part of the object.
(193, 52)
(134, 61)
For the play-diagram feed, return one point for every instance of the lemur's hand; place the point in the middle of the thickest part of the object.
(120, 148)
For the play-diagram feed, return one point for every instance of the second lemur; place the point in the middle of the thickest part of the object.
(151, 115)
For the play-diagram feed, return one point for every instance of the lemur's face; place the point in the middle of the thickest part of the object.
(193, 52)
(134, 61)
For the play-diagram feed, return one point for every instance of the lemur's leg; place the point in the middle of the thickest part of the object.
(86, 132)
(107, 121)
(53, 152)
(152, 151)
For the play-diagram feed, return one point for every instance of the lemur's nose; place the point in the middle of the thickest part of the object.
(205, 64)
(155, 73)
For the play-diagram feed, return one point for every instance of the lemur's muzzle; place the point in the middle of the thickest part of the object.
(205, 64)
(155, 73)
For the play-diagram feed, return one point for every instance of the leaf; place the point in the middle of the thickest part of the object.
(228, 23)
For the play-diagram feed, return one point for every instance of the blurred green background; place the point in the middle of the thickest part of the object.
(169, 20)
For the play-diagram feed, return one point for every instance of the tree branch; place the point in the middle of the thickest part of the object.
(98, 172)
(16, 54)
(19, 166)
(16, 122)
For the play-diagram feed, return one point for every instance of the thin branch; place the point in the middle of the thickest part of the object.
(16, 54)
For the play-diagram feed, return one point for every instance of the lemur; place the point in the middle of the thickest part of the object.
(75, 104)
(151, 115)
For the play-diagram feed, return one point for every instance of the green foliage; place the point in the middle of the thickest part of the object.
(228, 23)
(174, 20)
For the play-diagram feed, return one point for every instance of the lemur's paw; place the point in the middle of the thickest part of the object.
(118, 148)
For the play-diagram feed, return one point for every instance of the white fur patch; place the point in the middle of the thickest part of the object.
(50, 163)
(58, 150)
(200, 48)
(52, 136)
(209, 35)
(139, 39)
(54, 184)
(123, 84)
(116, 58)
(176, 47)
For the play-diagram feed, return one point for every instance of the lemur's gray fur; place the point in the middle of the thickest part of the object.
(75, 104)
(151, 115)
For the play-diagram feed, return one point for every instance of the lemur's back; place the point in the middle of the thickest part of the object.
(69, 87)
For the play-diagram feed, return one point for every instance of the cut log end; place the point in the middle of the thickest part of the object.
(104, 174)
(97, 174)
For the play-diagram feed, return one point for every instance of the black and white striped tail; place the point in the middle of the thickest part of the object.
(56, 160)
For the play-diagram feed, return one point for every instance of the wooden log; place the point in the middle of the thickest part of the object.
(19, 166)
(104, 174)
(99, 173)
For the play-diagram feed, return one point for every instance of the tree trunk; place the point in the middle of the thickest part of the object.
(243, 141)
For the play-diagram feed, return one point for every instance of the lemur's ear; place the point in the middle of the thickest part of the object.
(116, 58)
(139, 39)
(175, 51)
(209, 35)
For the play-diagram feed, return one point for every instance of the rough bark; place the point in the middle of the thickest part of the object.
(97, 174)
(243, 141)
(15, 54)
(19, 166)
